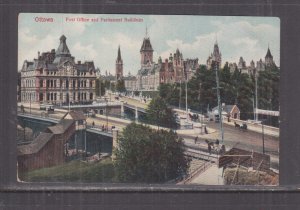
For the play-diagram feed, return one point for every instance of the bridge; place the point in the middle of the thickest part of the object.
(35, 122)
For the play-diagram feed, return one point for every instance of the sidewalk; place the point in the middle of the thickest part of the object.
(212, 176)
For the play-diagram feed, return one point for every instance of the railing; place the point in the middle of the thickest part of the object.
(196, 172)
(43, 116)
(201, 156)
(103, 129)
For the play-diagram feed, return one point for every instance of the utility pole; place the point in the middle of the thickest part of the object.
(186, 109)
(219, 102)
(100, 86)
(256, 101)
(200, 108)
(253, 109)
(69, 92)
(106, 115)
(263, 135)
(180, 96)
(30, 102)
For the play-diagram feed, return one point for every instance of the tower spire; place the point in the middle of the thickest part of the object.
(119, 65)
(119, 58)
(146, 31)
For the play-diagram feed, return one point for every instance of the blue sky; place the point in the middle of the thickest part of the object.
(195, 36)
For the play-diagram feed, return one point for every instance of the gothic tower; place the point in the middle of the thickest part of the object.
(216, 55)
(269, 58)
(119, 65)
(146, 51)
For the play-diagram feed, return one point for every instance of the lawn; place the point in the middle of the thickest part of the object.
(74, 171)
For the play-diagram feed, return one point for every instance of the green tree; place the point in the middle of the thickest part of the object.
(158, 113)
(145, 155)
(268, 92)
(98, 87)
(120, 86)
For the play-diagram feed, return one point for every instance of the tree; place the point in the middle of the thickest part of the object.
(148, 156)
(120, 86)
(268, 92)
(158, 113)
(98, 87)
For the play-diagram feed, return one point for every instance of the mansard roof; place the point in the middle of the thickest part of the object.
(63, 48)
(146, 46)
(54, 59)
(86, 66)
(62, 53)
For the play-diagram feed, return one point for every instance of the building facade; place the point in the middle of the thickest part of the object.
(54, 78)
(214, 58)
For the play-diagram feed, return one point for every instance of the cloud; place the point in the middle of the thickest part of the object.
(194, 36)
(30, 44)
(87, 51)
(235, 39)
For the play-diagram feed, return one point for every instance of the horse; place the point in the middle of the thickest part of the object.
(237, 125)
(244, 127)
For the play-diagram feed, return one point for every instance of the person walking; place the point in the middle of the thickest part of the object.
(196, 139)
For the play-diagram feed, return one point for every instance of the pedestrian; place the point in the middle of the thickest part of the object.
(205, 130)
(196, 139)
(102, 127)
(209, 149)
(217, 142)
(93, 124)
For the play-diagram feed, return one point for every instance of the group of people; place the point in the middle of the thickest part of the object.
(103, 128)
(212, 145)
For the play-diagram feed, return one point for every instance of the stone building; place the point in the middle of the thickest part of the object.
(190, 67)
(130, 82)
(269, 59)
(148, 75)
(215, 57)
(242, 66)
(252, 69)
(54, 77)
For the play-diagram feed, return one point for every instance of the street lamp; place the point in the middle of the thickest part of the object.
(263, 135)
(219, 100)
(30, 101)
(106, 114)
(99, 79)
(256, 102)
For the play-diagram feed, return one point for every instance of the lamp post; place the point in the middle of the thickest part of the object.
(219, 101)
(99, 78)
(256, 102)
(69, 92)
(30, 102)
(106, 114)
(263, 135)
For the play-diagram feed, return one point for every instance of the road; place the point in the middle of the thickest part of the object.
(247, 139)
(233, 137)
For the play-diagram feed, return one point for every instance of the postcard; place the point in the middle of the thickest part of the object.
(145, 99)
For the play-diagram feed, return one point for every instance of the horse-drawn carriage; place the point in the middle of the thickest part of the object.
(242, 127)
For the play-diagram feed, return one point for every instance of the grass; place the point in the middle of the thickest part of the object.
(74, 171)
